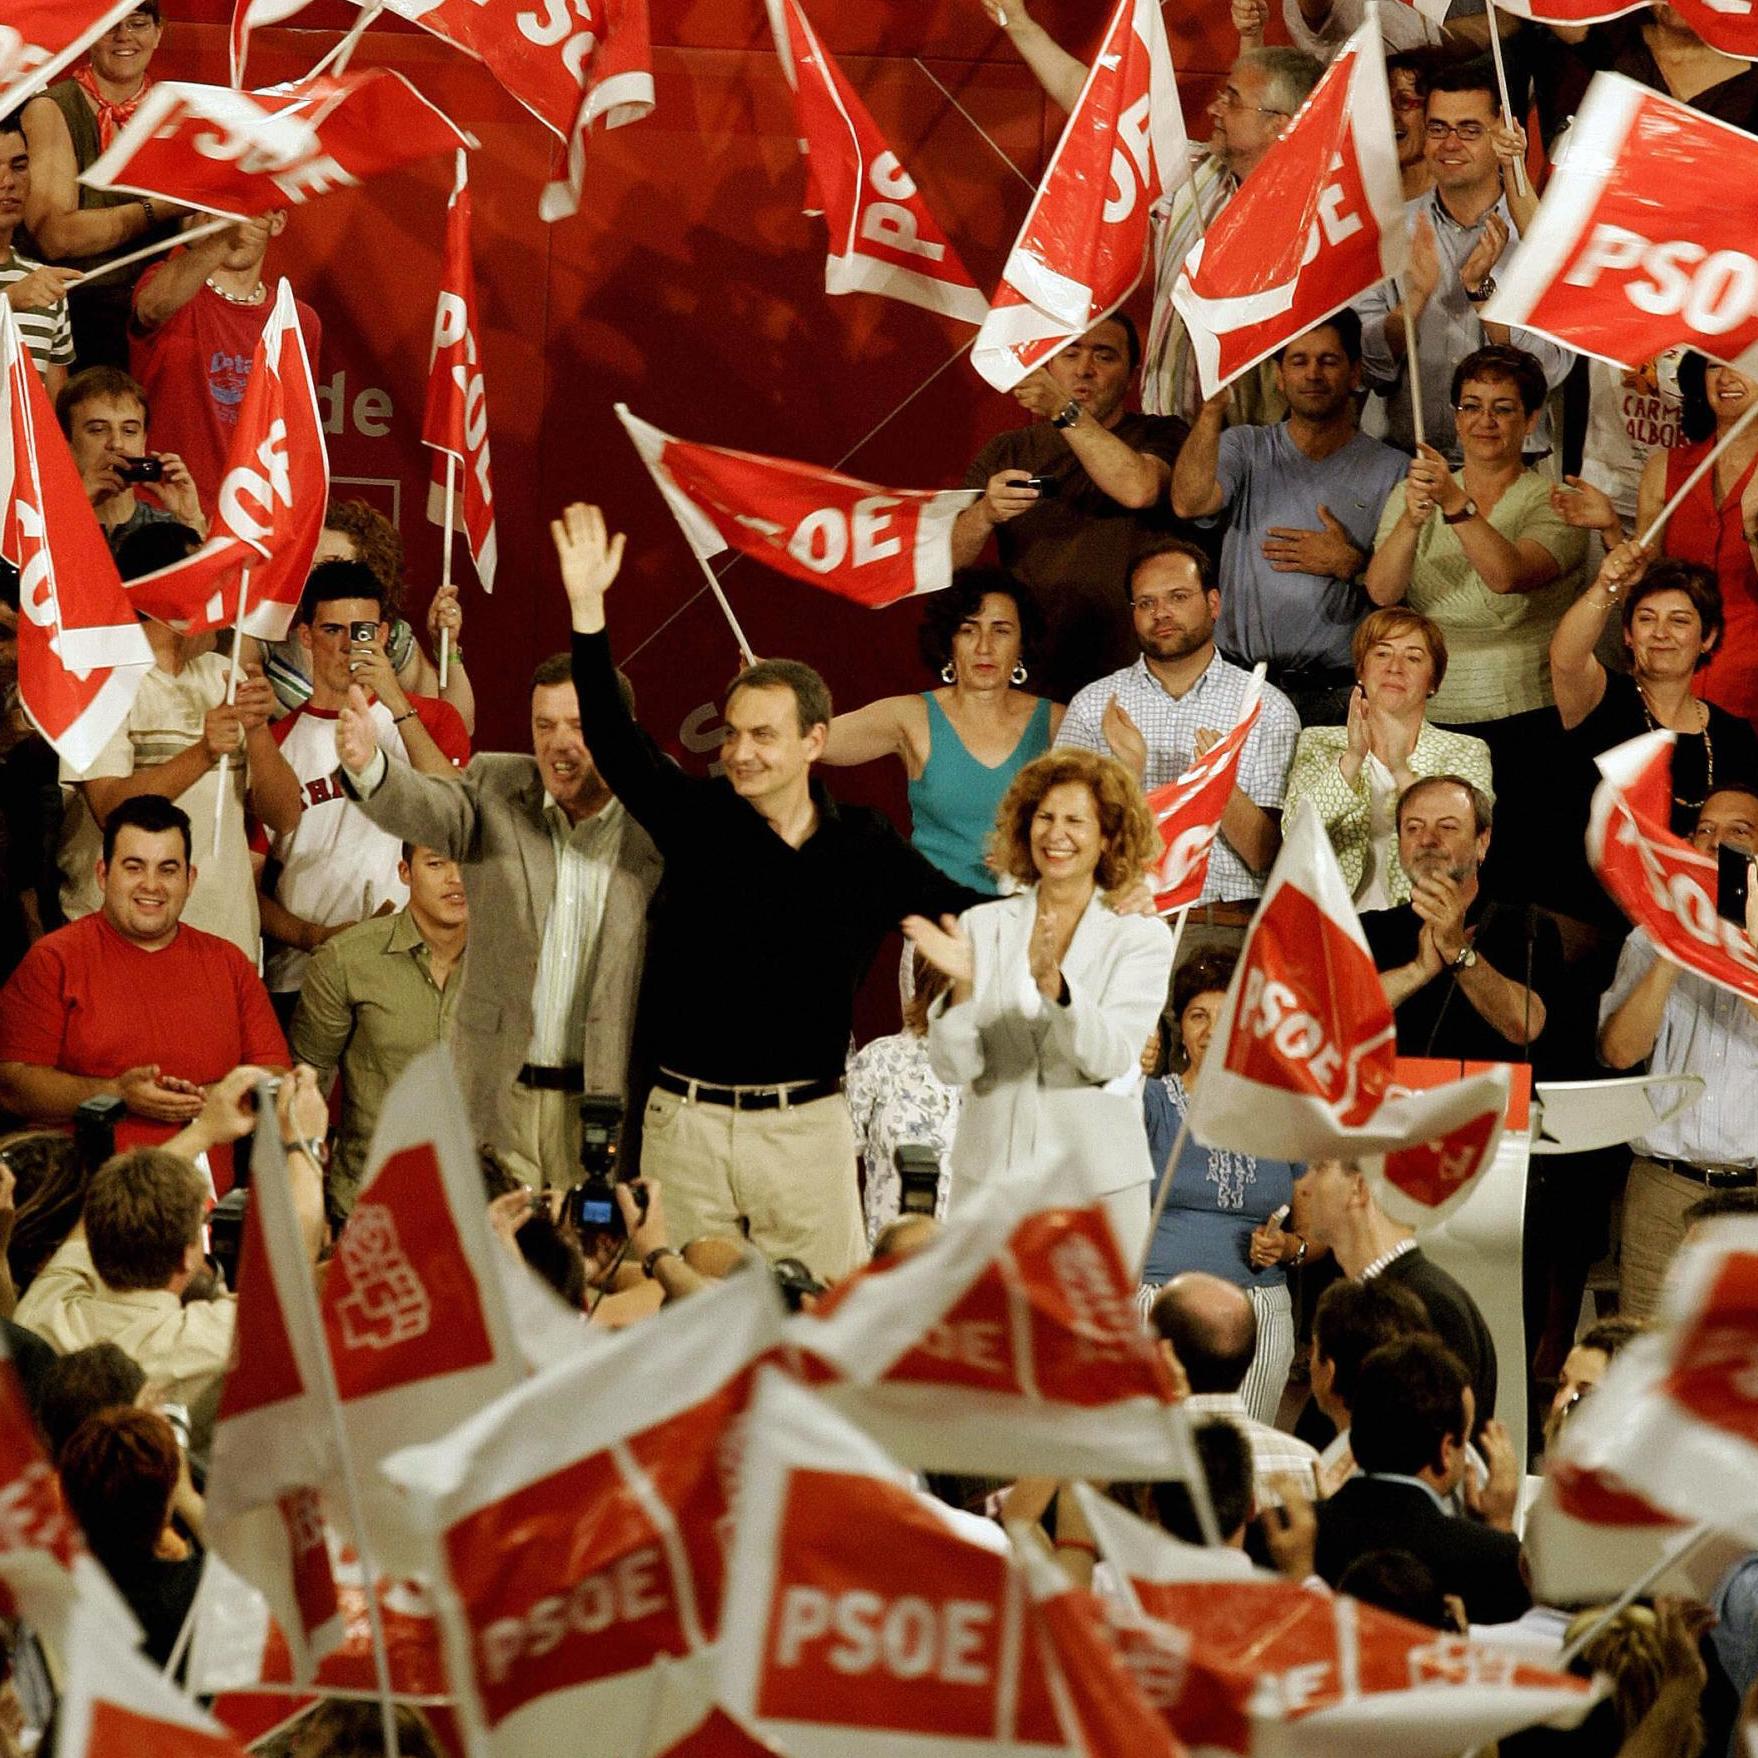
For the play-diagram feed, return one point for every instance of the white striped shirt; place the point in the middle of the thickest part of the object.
(1170, 724)
(585, 857)
(47, 329)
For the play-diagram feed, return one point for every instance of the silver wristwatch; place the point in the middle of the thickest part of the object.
(1067, 415)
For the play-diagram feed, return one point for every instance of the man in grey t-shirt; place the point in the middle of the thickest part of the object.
(1302, 494)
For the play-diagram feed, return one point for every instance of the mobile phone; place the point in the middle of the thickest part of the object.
(1043, 484)
(918, 1173)
(362, 634)
(1733, 880)
(147, 469)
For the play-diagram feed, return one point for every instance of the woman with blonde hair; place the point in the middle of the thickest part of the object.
(1052, 993)
(1355, 773)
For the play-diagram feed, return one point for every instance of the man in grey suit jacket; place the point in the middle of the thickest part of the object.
(558, 877)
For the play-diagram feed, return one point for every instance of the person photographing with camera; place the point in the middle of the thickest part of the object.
(105, 415)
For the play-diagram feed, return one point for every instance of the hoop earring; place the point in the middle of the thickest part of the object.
(1018, 674)
(947, 674)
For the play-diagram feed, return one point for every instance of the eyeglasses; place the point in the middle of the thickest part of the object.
(1470, 133)
(1407, 101)
(1500, 411)
(1228, 98)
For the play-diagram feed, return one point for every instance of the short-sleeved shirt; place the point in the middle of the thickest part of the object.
(1631, 412)
(88, 1001)
(194, 367)
(1073, 549)
(336, 864)
(1706, 1030)
(1498, 643)
(1170, 724)
(1436, 1021)
(166, 719)
(1294, 620)
(47, 330)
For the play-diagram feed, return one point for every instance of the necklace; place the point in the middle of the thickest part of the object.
(253, 297)
(1708, 748)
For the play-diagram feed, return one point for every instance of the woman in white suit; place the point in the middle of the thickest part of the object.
(1052, 994)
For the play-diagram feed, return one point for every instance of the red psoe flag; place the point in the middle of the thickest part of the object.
(1188, 810)
(1247, 1663)
(576, 1536)
(1728, 25)
(245, 153)
(882, 237)
(1014, 1342)
(269, 512)
(455, 422)
(1675, 1421)
(1084, 244)
(1303, 1054)
(38, 38)
(1644, 239)
(872, 545)
(1657, 879)
(862, 1618)
(81, 653)
(1319, 222)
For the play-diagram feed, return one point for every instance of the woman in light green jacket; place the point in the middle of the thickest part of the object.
(1354, 774)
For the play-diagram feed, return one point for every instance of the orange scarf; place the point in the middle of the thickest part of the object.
(111, 117)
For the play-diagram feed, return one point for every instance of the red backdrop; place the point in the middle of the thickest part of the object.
(689, 286)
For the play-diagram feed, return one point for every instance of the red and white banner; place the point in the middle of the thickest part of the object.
(1645, 237)
(1657, 879)
(1728, 25)
(1084, 244)
(245, 153)
(576, 1534)
(40, 38)
(1096, 1694)
(1012, 1345)
(1188, 810)
(866, 1620)
(1675, 1420)
(81, 652)
(114, 1700)
(274, 1431)
(873, 545)
(574, 68)
(269, 512)
(883, 239)
(455, 422)
(1319, 222)
(1304, 1051)
(1251, 1664)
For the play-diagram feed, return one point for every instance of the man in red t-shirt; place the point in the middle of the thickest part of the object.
(197, 319)
(130, 1002)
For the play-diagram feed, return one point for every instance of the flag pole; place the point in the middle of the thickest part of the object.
(445, 651)
(745, 649)
(1412, 367)
(1159, 1207)
(336, 62)
(1495, 51)
(1697, 475)
(1634, 1591)
(232, 675)
(164, 244)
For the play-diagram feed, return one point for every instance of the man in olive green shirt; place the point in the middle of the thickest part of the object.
(378, 994)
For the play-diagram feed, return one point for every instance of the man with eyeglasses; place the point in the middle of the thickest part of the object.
(1462, 234)
(1249, 114)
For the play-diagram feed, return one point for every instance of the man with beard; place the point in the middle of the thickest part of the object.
(1178, 699)
(1443, 955)
(557, 877)
(1302, 494)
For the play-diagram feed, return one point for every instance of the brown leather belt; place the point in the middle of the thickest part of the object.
(1711, 1177)
(1224, 915)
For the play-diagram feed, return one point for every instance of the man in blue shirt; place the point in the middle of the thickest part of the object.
(1303, 495)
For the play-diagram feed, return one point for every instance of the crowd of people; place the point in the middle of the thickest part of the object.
(316, 875)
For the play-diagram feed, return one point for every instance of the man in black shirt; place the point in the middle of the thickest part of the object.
(1466, 977)
(774, 900)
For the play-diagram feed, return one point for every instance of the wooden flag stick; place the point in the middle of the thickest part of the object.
(1495, 50)
(445, 652)
(1697, 475)
(164, 244)
(1412, 367)
(232, 676)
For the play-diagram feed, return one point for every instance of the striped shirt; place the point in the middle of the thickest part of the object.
(585, 857)
(1170, 724)
(47, 330)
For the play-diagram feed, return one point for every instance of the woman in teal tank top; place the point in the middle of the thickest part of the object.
(962, 744)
